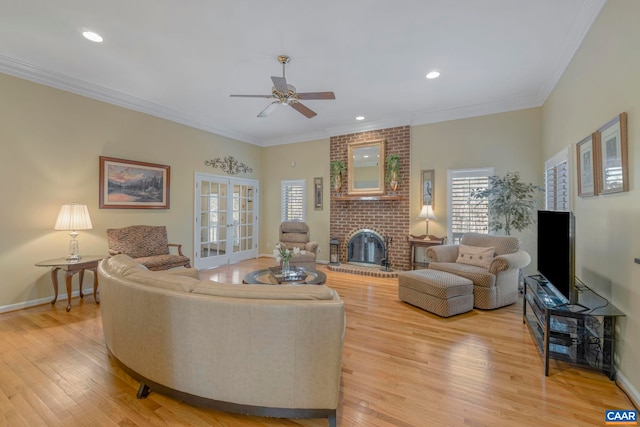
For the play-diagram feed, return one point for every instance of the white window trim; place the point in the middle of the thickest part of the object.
(291, 183)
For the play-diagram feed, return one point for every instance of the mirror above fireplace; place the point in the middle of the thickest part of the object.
(366, 168)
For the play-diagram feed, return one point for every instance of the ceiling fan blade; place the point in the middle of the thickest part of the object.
(280, 84)
(302, 109)
(267, 111)
(251, 96)
(316, 95)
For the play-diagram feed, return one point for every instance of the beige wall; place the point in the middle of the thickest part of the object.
(51, 141)
(506, 141)
(601, 82)
(304, 160)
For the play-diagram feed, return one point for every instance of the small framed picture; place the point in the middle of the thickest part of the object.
(128, 184)
(317, 193)
(611, 140)
(587, 168)
(427, 186)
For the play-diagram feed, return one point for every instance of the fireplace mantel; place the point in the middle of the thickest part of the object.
(368, 198)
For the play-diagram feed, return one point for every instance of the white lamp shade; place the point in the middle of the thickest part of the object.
(427, 213)
(73, 217)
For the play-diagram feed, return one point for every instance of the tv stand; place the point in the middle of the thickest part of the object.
(582, 333)
(576, 308)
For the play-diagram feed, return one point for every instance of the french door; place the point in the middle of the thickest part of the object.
(226, 220)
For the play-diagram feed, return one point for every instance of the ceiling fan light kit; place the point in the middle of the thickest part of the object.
(285, 94)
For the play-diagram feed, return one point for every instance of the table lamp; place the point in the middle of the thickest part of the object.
(427, 214)
(73, 217)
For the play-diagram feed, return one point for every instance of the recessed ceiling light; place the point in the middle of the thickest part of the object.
(94, 37)
(360, 118)
(433, 75)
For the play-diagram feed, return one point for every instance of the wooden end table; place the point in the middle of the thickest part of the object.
(87, 262)
(421, 241)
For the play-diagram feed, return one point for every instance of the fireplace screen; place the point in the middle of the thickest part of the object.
(367, 247)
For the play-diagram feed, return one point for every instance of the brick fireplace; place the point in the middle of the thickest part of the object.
(389, 218)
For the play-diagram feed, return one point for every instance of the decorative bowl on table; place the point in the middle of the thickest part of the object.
(295, 274)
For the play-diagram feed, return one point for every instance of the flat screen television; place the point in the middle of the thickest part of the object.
(556, 252)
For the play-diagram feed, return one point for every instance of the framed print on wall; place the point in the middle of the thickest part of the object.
(587, 168)
(427, 177)
(611, 140)
(317, 193)
(128, 184)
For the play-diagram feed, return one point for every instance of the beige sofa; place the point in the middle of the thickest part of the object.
(252, 349)
(491, 262)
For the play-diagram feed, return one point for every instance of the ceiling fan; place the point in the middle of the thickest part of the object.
(286, 94)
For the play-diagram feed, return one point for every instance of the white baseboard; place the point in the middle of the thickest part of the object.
(41, 301)
(629, 389)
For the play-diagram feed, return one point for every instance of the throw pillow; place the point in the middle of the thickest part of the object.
(475, 255)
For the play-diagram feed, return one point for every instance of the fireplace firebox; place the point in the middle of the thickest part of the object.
(366, 247)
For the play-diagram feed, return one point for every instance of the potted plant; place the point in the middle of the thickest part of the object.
(512, 203)
(392, 177)
(337, 171)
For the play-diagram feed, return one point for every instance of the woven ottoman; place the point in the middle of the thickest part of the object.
(438, 292)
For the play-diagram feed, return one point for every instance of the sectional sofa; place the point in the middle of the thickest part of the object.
(252, 349)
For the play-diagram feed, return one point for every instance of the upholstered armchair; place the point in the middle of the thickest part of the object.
(492, 263)
(148, 245)
(296, 234)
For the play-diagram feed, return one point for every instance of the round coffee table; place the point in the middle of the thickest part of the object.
(264, 277)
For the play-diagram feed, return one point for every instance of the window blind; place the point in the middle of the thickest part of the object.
(293, 200)
(467, 214)
(557, 182)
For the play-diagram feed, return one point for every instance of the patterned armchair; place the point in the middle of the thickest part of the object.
(148, 245)
(492, 263)
(296, 234)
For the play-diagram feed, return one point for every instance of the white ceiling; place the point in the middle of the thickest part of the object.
(181, 60)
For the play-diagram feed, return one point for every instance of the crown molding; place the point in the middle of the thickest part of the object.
(71, 84)
(584, 19)
(67, 83)
(477, 110)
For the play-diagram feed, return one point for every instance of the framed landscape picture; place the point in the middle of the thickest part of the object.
(587, 168)
(128, 184)
(612, 149)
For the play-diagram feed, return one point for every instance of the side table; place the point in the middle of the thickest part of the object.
(421, 241)
(87, 262)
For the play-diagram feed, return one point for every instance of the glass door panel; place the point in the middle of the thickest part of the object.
(225, 220)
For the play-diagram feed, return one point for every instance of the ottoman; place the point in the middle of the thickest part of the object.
(438, 292)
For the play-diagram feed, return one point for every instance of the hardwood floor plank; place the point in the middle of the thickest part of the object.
(401, 367)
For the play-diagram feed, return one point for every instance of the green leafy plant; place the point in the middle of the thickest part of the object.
(337, 167)
(512, 203)
(337, 170)
(392, 163)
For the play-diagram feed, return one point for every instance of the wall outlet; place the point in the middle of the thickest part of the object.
(268, 244)
(424, 259)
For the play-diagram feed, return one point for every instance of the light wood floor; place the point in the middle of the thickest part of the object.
(401, 367)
